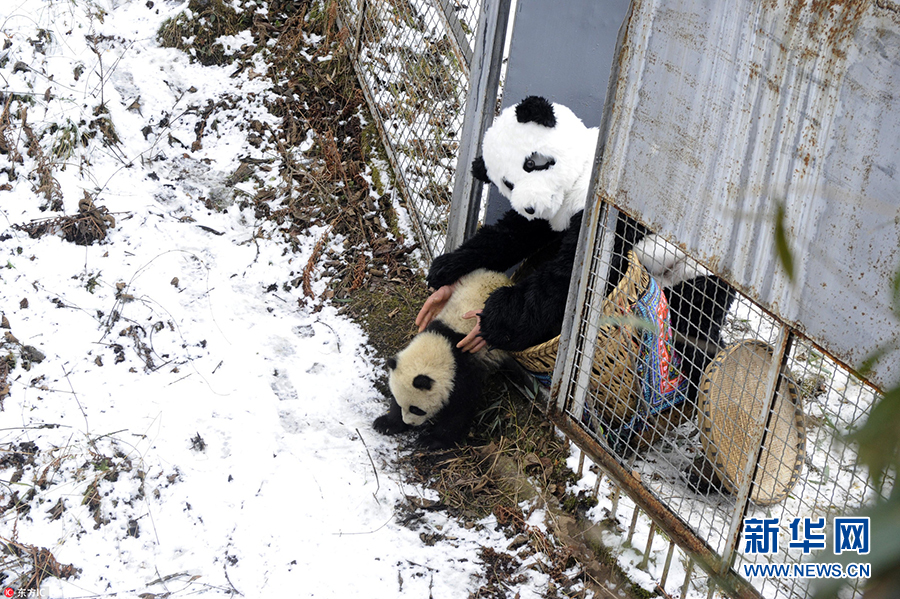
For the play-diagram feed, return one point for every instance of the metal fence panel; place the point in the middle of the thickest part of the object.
(412, 59)
(716, 114)
(736, 449)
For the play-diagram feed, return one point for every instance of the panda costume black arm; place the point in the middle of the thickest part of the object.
(495, 247)
(531, 311)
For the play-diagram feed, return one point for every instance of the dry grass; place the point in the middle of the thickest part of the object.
(512, 455)
(47, 185)
(36, 564)
(90, 224)
(4, 380)
(197, 32)
(7, 361)
(8, 142)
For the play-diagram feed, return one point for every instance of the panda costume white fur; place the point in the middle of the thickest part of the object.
(540, 156)
(433, 382)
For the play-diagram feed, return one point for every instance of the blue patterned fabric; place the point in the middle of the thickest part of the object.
(662, 383)
(658, 368)
(544, 378)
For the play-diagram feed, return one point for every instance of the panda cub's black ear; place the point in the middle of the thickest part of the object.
(392, 363)
(423, 382)
(535, 109)
(479, 170)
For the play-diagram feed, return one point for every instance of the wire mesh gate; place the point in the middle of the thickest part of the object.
(757, 436)
(412, 59)
(717, 112)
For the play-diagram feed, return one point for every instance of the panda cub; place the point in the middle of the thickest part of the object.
(434, 384)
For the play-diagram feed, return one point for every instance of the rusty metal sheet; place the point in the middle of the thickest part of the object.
(723, 110)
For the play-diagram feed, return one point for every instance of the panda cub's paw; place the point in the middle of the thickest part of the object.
(432, 442)
(389, 425)
(666, 262)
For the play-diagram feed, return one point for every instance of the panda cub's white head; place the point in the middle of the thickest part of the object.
(421, 377)
(539, 155)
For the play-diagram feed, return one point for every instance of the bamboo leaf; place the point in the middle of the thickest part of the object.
(782, 242)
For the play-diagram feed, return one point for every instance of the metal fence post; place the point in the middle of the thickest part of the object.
(455, 28)
(484, 80)
(742, 495)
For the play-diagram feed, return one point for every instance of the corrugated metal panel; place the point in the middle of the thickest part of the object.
(724, 109)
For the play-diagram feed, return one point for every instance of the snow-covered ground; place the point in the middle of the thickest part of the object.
(179, 422)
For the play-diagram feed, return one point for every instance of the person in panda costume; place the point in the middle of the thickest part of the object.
(436, 385)
(540, 156)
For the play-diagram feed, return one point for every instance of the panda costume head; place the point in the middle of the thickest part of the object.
(539, 155)
(434, 382)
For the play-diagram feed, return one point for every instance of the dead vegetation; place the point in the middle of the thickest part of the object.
(316, 97)
(45, 182)
(513, 458)
(36, 564)
(197, 30)
(323, 101)
(90, 224)
(13, 354)
(31, 472)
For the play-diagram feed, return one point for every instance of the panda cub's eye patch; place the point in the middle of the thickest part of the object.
(509, 185)
(423, 382)
(538, 162)
(417, 410)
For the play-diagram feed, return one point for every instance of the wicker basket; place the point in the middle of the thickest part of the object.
(614, 386)
(731, 402)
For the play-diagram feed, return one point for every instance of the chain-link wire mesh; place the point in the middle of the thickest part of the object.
(411, 57)
(715, 405)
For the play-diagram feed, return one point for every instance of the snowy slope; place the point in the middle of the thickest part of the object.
(195, 427)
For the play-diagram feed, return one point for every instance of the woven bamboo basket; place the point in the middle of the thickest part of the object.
(731, 402)
(614, 386)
